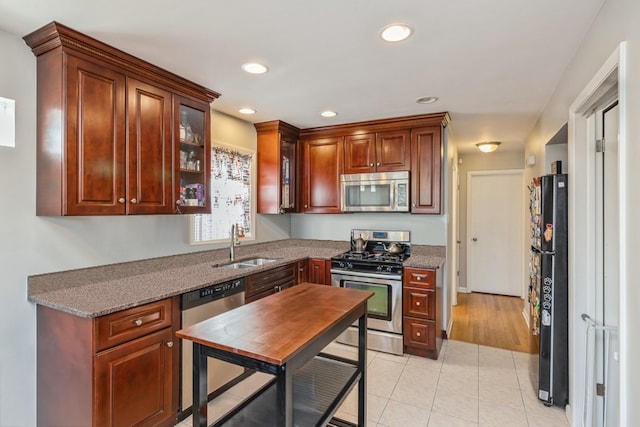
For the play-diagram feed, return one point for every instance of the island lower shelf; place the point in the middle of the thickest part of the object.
(319, 388)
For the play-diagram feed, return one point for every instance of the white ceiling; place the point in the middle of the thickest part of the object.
(493, 63)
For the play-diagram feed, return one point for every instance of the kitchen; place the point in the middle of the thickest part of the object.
(34, 245)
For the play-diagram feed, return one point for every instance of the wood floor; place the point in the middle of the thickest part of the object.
(492, 320)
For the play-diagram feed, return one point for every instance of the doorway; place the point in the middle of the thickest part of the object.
(495, 232)
(618, 76)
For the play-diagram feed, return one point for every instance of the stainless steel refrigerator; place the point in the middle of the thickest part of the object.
(548, 286)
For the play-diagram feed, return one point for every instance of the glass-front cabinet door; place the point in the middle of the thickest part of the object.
(193, 156)
(278, 184)
(288, 174)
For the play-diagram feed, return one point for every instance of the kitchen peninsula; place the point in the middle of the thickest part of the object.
(286, 342)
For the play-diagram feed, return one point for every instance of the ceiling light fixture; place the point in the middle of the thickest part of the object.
(254, 68)
(328, 113)
(427, 100)
(395, 32)
(247, 110)
(488, 147)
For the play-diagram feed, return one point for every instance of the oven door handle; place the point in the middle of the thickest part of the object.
(369, 275)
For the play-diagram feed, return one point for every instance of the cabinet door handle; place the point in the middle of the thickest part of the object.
(134, 201)
(370, 165)
(378, 164)
(121, 200)
(169, 344)
(138, 322)
(418, 303)
(418, 334)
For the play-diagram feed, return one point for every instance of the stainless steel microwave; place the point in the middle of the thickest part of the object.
(375, 192)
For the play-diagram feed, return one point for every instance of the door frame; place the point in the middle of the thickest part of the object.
(621, 68)
(470, 250)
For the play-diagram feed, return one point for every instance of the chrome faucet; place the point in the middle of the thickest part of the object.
(234, 242)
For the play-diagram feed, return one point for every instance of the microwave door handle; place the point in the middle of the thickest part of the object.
(394, 197)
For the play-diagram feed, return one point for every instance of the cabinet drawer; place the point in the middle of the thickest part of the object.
(419, 333)
(260, 282)
(135, 322)
(420, 278)
(419, 302)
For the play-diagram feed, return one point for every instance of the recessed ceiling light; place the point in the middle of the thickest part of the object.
(395, 32)
(254, 68)
(247, 110)
(427, 100)
(328, 113)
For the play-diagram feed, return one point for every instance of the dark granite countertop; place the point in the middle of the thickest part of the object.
(96, 291)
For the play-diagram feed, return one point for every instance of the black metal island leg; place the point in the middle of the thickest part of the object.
(199, 386)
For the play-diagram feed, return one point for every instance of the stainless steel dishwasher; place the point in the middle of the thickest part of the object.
(200, 305)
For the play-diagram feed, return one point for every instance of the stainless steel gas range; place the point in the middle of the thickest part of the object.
(374, 263)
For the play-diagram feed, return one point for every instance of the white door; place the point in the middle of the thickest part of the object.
(495, 232)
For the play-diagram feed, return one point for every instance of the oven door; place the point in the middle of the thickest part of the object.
(384, 308)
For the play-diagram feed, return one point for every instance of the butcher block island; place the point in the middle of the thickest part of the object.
(284, 335)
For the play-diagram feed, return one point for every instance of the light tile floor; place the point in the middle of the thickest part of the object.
(469, 385)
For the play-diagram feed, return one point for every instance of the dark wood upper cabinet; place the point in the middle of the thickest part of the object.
(278, 167)
(94, 129)
(150, 150)
(105, 128)
(426, 177)
(393, 151)
(360, 153)
(412, 143)
(322, 167)
(193, 154)
(379, 152)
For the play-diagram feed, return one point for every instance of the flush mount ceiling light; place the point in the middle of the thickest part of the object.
(254, 68)
(328, 113)
(427, 100)
(247, 110)
(488, 147)
(395, 32)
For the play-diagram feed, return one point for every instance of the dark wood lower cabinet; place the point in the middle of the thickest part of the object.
(421, 313)
(84, 379)
(260, 285)
(131, 386)
(318, 272)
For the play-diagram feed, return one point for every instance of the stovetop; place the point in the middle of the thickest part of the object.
(376, 256)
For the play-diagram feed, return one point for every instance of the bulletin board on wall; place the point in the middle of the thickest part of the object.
(231, 180)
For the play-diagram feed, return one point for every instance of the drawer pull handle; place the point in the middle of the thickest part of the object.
(138, 322)
(418, 303)
(420, 276)
(417, 334)
(170, 344)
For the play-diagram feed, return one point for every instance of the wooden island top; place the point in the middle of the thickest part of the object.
(274, 329)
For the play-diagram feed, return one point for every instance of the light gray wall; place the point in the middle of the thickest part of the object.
(32, 245)
(425, 229)
(478, 162)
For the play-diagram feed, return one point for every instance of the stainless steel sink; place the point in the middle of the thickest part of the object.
(257, 261)
(246, 263)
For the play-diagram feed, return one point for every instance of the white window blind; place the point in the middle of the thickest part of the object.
(230, 198)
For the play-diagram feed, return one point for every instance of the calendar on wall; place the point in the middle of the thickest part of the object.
(230, 198)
